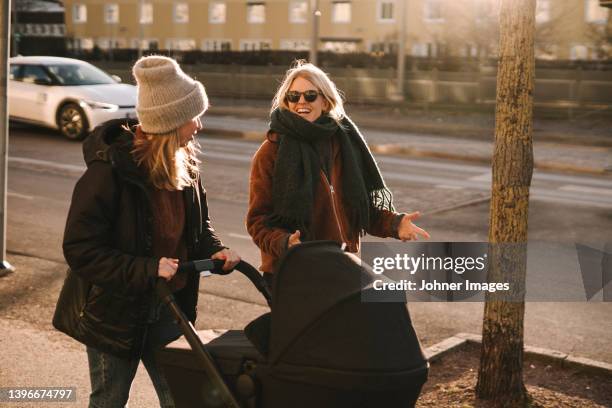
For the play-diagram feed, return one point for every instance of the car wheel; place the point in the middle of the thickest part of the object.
(72, 122)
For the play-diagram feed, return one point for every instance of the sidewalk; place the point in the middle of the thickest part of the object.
(35, 355)
(578, 146)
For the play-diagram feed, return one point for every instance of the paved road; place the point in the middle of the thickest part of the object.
(546, 186)
(547, 155)
(43, 169)
(50, 166)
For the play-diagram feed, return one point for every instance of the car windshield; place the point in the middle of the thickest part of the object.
(79, 74)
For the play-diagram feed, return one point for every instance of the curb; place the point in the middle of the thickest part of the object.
(395, 149)
(459, 131)
(464, 204)
(461, 340)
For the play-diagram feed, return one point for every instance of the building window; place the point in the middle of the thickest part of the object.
(386, 11)
(256, 13)
(111, 13)
(383, 47)
(111, 43)
(546, 51)
(542, 11)
(425, 50)
(180, 44)
(79, 13)
(145, 43)
(255, 45)
(82, 43)
(341, 12)
(578, 52)
(469, 51)
(103, 43)
(217, 11)
(594, 13)
(432, 10)
(181, 13)
(295, 45)
(340, 46)
(298, 11)
(146, 13)
(216, 45)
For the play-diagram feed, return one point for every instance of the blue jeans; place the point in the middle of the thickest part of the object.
(111, 377)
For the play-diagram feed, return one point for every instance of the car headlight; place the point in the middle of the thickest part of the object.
(101, 105)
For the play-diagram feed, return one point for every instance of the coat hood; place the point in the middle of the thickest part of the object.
(112, 142)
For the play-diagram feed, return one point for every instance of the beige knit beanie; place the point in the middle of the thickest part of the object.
(167, 97)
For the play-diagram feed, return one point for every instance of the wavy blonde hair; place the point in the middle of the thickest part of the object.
(169, 165)
(318, 78)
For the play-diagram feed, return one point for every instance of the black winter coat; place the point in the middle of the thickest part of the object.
(110, 284)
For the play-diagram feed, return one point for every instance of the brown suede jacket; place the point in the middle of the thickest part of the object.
(330, 220)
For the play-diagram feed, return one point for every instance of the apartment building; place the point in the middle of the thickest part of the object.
(567, 29)
(37, 27)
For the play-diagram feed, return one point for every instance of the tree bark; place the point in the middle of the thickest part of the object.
(500, 377)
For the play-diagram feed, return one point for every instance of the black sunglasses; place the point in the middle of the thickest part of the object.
(309, 96)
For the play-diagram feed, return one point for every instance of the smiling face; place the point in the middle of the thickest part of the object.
(189, 130)
(308, 110)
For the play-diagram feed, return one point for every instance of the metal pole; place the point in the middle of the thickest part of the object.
(5, 29)
(140, 28)
(401, 50)
(314, 39)
(15, 42)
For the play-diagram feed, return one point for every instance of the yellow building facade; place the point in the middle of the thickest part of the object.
(566, 29)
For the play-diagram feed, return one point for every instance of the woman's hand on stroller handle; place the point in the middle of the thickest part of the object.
(294, 239)
(230, 258)
(167, 268)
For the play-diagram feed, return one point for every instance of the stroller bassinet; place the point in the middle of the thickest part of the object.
(320, 346)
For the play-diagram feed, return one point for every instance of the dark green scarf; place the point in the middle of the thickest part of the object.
(297, 166)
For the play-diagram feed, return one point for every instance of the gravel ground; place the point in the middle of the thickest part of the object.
(452, 381)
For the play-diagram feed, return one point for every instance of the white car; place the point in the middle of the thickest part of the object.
(66, 94)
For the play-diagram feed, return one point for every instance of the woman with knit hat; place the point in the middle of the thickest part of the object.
(137, 211)
(314, 178)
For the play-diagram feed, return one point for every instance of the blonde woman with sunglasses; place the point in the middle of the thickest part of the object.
(314, 177)
(137, 211)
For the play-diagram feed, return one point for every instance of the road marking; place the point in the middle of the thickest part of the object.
(565, 178)
(568, 194)
(584, 189)
(482, 177)
(431, 164)
(241, 236)
(25, 197)
(47, 165)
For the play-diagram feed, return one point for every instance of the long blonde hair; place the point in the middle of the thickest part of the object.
(169, 165)
(319, 79)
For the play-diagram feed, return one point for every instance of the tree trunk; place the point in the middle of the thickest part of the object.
(500, 377)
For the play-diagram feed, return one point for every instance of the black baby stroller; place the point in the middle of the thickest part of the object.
(320, 346)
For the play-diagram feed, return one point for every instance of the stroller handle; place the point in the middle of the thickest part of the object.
(222, 395)
(215, 266)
